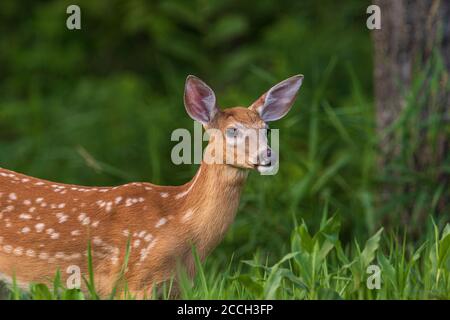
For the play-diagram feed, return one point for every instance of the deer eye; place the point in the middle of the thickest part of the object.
(232, 132)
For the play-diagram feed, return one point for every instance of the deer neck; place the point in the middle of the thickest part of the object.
(212, 202)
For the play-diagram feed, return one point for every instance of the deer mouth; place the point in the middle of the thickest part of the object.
(264, 168)
(263, 165)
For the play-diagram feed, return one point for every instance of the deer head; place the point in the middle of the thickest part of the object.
(239, 134)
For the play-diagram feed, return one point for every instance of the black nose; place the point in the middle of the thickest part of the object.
(265, 157)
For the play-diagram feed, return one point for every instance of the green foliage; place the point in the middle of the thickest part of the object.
(419, 130)
(318, 267)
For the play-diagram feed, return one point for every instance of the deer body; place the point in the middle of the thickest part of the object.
(46, 226)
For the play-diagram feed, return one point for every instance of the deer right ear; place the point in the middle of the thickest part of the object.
(199, 100)
(276, 102)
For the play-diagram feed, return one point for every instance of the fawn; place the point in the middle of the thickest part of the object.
(46, 226)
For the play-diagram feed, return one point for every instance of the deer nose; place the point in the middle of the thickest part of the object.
(265, 157)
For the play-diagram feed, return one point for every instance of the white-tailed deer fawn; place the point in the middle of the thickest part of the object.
(46, 226)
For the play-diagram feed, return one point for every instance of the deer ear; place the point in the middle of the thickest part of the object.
(276, 102)
(199, 100)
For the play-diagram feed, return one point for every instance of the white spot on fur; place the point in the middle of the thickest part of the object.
(59, 255)
(82, 216)
(39, 227)
(25, 230)
(43, 256)
(161, 222)
(86, 221)
(62, 217)
(146, 250)
(30, 253)
(18, 251)
(97, 241)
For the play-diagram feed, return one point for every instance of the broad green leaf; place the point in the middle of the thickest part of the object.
(41, 292)
(368, 254)
(72, 294)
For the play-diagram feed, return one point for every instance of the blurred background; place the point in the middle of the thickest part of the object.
(97, 106)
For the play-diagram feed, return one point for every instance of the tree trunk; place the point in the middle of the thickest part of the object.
(412, 99)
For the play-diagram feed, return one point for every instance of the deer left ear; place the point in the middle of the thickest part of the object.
(277, 102)
(199, 100)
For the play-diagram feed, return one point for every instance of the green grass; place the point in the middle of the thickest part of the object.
(318, 266)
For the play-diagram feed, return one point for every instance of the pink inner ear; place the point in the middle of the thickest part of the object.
(278, 101)
(200, 100)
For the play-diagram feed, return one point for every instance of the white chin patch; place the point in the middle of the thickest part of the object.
(272, 169)
(266, 170)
